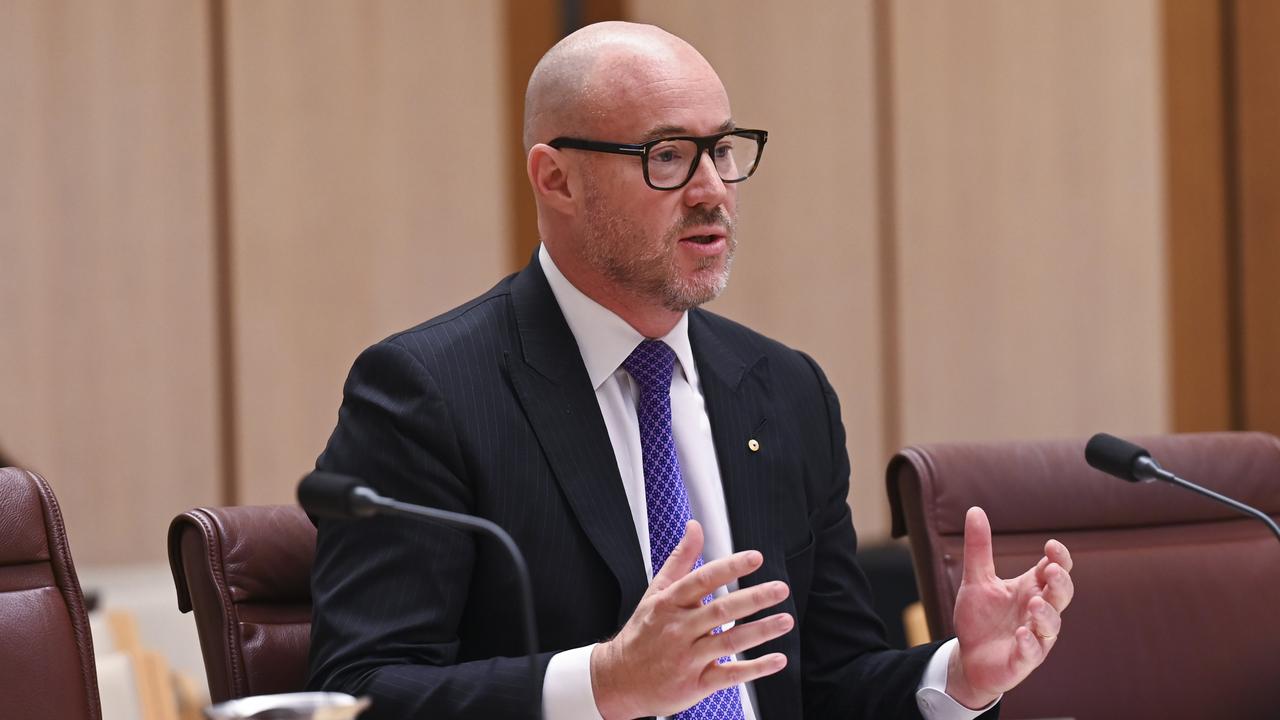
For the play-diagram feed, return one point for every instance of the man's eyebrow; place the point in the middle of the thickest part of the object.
(662, 131)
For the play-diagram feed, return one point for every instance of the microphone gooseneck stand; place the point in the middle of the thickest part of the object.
(1133, 463)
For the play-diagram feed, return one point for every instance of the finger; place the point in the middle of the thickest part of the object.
(1046, 622)
(681, 559)
(978, 562)
(1059, 588)
(1030, 651)
(737, 605)
(741, 638)
(719, 676)
(690, 589)
(1058, 553)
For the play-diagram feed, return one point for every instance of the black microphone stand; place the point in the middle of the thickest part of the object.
(1144, 468)
(330, 495)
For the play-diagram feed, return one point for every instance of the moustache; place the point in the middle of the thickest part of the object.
(701, 217)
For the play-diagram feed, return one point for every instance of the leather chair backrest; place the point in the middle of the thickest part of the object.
(1175, 612)
(246, 572)
(46, 652)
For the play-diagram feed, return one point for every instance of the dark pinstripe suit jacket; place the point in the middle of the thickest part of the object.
(488, 410)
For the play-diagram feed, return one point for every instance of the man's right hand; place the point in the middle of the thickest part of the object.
(665, 658)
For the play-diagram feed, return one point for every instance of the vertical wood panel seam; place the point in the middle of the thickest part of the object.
(521, 32)
(571, 14)
(526, 39)
(1232, 217)
(516, 243)
(1199, 318)
(886, 157)
(220, 148)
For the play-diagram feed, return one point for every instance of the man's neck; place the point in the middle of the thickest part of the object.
(649, 318)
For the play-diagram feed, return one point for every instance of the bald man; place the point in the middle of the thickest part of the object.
(676, 480)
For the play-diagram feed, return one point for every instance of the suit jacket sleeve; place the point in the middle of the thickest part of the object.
(389, 593)
(849, 670)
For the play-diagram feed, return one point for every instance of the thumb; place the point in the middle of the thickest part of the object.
(978, 562)
(682, 558)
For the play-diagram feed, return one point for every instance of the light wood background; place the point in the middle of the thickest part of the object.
(107, 372)
(979, 219)
(1030, 219)
(367, 195)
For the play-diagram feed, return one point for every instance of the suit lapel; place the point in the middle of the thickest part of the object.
(556, 394)
(737, 394)
(737, 390)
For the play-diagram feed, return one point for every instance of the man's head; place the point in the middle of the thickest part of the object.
(646, 254)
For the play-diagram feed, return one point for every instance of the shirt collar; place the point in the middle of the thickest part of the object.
(604, 339)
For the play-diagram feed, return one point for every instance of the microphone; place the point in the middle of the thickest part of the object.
(1122, 459)
(1127, 461)
(330, 495)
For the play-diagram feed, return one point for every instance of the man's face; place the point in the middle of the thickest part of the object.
(673, 247)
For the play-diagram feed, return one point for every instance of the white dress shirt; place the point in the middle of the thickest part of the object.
(605, 340)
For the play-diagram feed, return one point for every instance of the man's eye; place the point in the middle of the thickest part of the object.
(665, 155)
(724, 150)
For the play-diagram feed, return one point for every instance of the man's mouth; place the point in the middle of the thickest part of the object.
(708, 234)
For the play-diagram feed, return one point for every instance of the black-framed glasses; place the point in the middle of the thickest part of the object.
(669, 163)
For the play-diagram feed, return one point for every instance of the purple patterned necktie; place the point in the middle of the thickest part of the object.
(651, 365)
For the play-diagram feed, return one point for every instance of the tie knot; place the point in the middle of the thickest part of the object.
(651, 364)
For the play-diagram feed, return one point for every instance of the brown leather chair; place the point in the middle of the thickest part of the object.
(1177, 605)
(246, 572)
(46, 652)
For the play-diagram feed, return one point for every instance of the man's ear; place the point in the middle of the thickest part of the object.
(549, 175)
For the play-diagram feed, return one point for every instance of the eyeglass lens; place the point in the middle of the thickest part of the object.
(670, 160)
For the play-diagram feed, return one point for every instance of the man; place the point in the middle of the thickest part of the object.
(645, 454)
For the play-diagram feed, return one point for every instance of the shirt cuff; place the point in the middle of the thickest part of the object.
(566, 687)
(932, 697)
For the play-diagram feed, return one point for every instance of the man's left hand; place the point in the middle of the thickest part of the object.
(1006, 628)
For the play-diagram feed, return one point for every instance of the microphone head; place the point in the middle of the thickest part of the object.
(329, 495)
(1114, 456)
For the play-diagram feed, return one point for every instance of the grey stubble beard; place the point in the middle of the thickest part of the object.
(654, 273)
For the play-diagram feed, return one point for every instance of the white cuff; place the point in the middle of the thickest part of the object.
(566, 688)
(932, 697)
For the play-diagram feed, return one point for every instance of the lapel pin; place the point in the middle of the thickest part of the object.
(753, 445)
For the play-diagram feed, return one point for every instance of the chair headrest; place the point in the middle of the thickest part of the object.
(1046, 486)
(23, 523)
(260, 552)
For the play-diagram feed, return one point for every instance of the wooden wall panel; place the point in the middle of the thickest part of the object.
(530, 28)
(369, 189)
(368, 192)
(1257, 92)
(107, 378)
(1201, 364)
(1030, 219)
(808, 259)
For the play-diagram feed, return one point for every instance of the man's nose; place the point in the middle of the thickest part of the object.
(705, 187)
